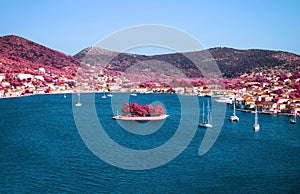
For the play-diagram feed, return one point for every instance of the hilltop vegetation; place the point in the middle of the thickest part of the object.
(232, 62)
(21, 55)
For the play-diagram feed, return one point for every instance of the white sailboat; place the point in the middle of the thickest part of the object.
(65, 96)
(256, 126)
(104, 96)
(234, 117)
(206, 123)
(78, 103)
(293, 119)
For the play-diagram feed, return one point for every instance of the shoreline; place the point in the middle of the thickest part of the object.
(89, 92)
(267, 113)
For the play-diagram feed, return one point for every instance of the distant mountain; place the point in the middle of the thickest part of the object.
(21, 55)
(231, 62)
(18, 54)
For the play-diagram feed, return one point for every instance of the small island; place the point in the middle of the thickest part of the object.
(137, 112)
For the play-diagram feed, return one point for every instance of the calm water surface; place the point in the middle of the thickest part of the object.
(42, 151)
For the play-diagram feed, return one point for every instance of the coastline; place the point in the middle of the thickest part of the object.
(35, 94)
(268, 113)
(90, 92)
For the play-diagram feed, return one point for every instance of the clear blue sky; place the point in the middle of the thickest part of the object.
(70, 26)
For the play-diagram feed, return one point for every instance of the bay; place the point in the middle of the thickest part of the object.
(41, 150)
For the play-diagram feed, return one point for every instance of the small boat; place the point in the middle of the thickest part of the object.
(104, 96)
(224, 100)
(293, 119)
(256, 126)
(65, 96)
(131, 118)
(234, 117)
(109, 95)
(133, 94)
(206, 123)
(78, 103)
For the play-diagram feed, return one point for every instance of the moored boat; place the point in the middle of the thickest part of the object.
(293, 119)
(224, 100)
(206, 123)
(234, 117)
(256, 126)
(78, 103)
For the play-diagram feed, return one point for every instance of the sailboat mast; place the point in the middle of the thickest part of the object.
(208, 113)
(203, 112)
(234, 107)
(256, 116)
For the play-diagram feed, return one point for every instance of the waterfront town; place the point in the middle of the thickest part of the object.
(274, 93)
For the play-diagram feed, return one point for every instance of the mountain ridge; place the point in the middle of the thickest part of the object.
(232, 62)
(19, 54)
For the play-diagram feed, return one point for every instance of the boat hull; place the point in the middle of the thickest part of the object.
(205, 125)
(256, 127)
(78, 104)
(234, 119)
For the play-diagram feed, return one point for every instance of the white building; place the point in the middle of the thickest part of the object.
(22, 76)
(2, 77)
(39, 77)
(42, 70)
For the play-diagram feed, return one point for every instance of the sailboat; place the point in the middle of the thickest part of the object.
(293, 119)
(78, 103)
(207, 123)
(234, 117)
(104, 96)
(65, 96)
(256, 126)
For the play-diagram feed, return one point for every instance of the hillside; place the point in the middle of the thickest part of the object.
(21, 55)
(27, 67)
(232, 62)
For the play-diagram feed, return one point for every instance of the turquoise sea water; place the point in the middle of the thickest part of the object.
(41, 150)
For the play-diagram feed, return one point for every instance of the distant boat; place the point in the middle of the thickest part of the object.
(133, 94)
(234, 117)
(293, 119)
(206, 123)
(78, 103)
(224, 100)
(65, 96)
(104, 96)
(109, 95)
(256, 126)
